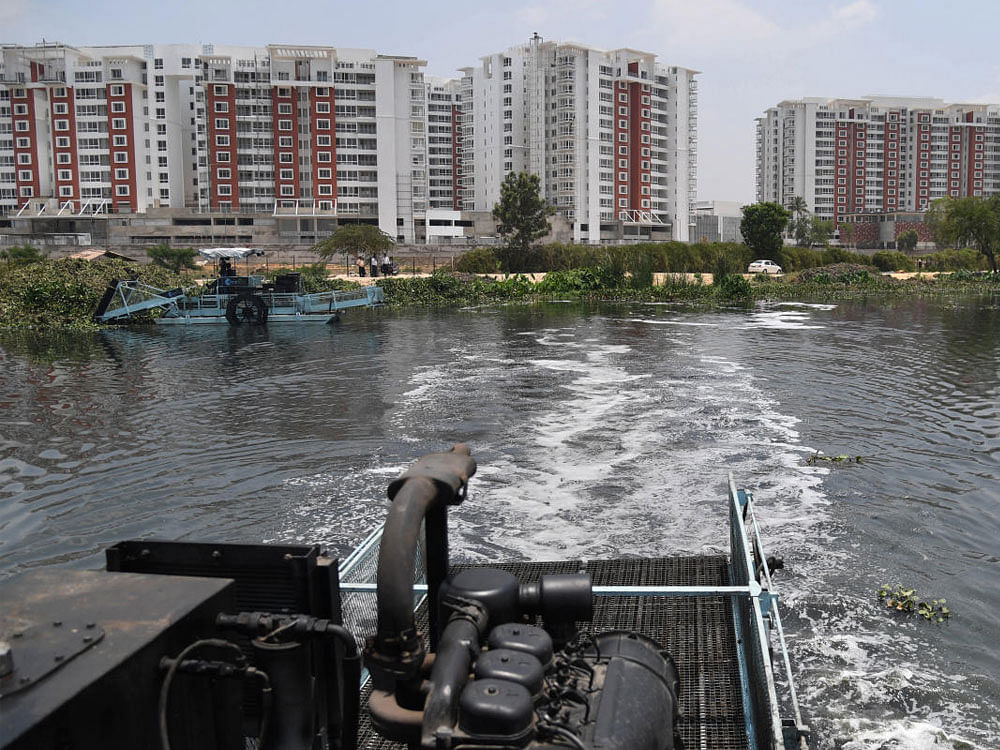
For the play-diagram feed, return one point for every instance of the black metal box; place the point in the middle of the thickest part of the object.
(85, 649)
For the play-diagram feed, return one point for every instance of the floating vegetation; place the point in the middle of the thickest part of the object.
(841, 459)
(906, 600)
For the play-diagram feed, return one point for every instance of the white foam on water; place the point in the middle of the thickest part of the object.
(663, 322)
(787, 320)
(860, 734)
(807, 305)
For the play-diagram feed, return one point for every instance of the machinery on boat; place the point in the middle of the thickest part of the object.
(232, 298)
(204, 645)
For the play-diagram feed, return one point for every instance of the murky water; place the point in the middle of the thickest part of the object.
(599, 431)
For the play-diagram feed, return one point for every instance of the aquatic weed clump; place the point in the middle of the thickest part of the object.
(907, 601)
(64, 293)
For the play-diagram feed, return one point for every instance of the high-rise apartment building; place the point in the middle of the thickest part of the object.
(329, 134)
(876, 154)
(296, 130)
(612, 134)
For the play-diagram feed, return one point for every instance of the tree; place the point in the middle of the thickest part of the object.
(174, 258)
(365, 240)
(820, 231)
(847, 233)
(800, 225)
(971, 222)
(761, 228)
(907, 241)
(522, 217)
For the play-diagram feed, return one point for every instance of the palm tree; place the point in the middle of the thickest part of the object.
(797, 227)
(798, 206)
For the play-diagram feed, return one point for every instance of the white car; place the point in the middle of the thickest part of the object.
(764, 266)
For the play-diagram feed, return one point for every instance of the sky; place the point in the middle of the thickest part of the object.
(751, 54)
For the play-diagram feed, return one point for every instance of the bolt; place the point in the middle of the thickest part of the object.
(216, 555)
(145, 553)
(57, 623)
(91, 625)
(87, 639)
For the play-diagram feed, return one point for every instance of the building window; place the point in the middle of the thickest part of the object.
(122, 190)
(287, 190)
(118, 107)
(121, 174)
(220, 90)
(222, 157)
(322, 124)
(224, 189)
(286, 158)
(118, 123)
(117, 90)
(65, 191)
(64, 175)
(221, 107)
(323, 108)
(223, 173)
(284, 109)
(221, 123)
(284, 124)
(286, 174)
(323, 156)
(25, 175)
(222, 140)
(24, 159)
(322, 140)
(325, 189)
(64, 158)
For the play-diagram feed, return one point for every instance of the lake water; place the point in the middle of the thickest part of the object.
(599, 431)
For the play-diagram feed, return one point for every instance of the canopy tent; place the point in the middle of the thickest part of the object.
(229, 252)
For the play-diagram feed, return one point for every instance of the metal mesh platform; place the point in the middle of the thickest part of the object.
(697, 631)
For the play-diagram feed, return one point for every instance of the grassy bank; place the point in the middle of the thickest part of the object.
(64, 293)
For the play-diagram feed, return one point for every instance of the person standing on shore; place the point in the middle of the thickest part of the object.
(361, 266)
(374, 266)
(386, 265)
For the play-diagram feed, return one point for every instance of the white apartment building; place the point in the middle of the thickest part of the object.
(876, 154)
(612, 134)
(289, 130)
(327, 134)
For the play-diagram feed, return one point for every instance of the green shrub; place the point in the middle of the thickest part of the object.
(893, 260)
(954, 260)
(22, 255)
(732, 286)
(175, 259)
(479, 260)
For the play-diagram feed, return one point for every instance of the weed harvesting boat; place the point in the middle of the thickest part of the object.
(232, 299)
(205, 645)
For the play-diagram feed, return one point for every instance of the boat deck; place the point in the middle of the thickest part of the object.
(697, 631)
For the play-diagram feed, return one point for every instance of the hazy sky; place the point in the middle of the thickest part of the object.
(751, 53)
